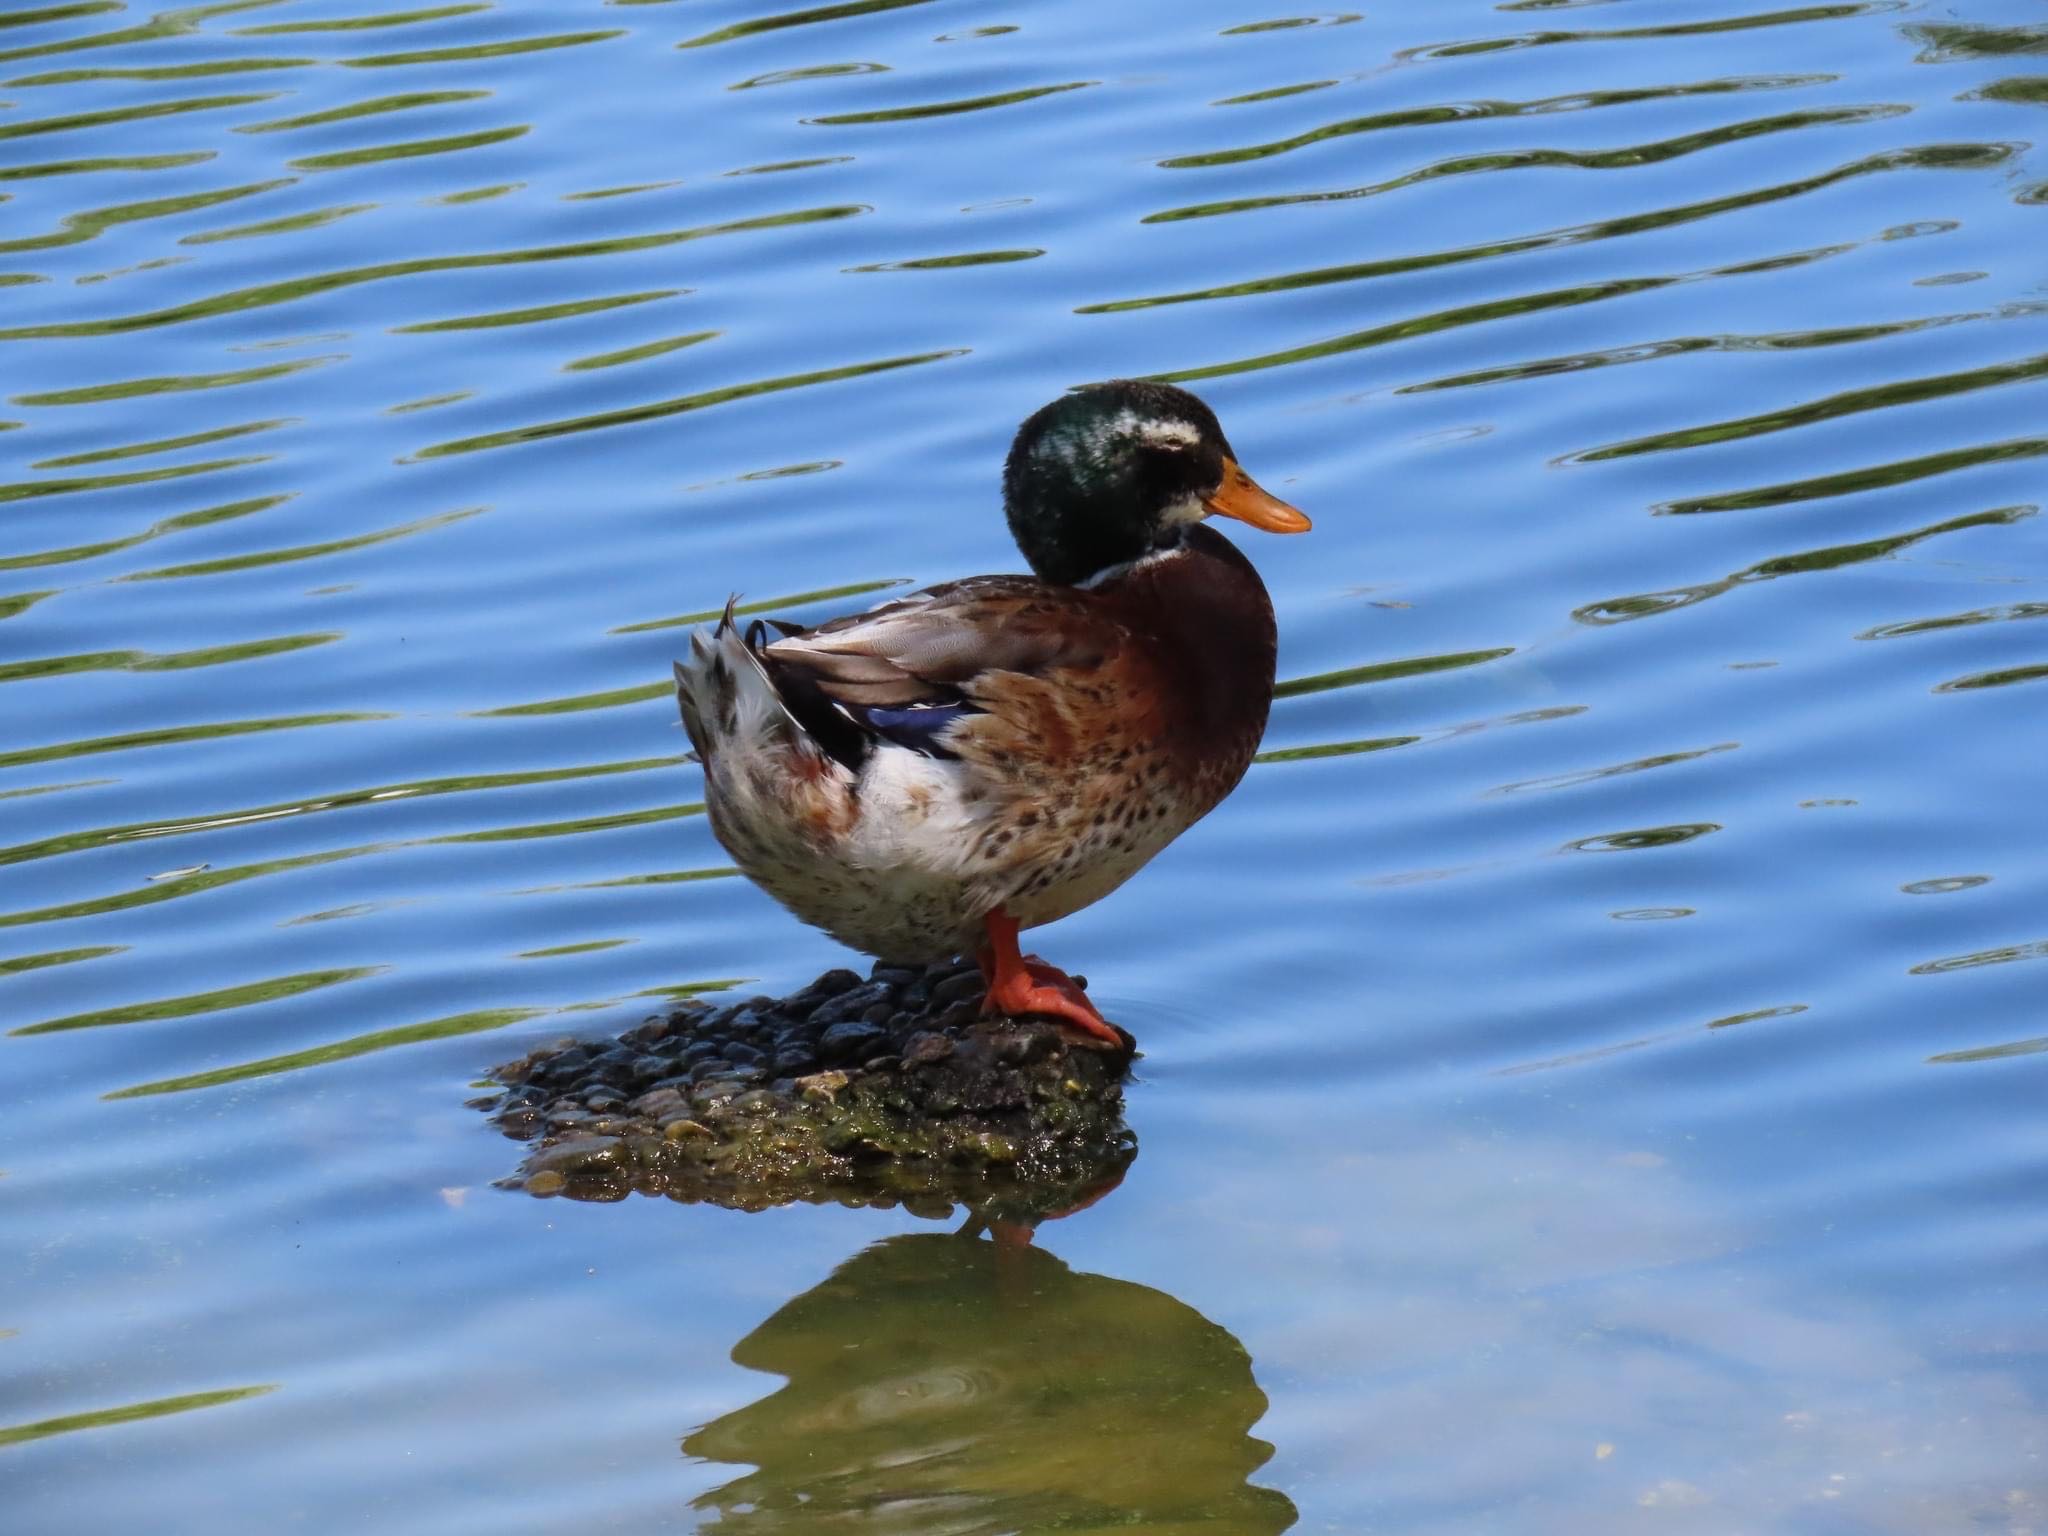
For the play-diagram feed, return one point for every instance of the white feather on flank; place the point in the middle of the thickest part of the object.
(913, 812)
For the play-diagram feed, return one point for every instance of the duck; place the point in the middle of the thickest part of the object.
(937, 774)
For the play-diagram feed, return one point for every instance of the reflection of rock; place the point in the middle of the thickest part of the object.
(937, 1383)
(885, 1092)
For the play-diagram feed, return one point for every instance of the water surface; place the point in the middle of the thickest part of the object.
(1593, 1064)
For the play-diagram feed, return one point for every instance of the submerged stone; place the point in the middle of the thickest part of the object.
(919, 1102)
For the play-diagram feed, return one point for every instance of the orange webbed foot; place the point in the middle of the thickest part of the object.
(1024, 984)
(1036, 987)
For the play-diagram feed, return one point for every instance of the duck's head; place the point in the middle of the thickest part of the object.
(1112, 472)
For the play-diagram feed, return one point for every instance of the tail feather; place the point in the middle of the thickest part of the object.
(726, 696)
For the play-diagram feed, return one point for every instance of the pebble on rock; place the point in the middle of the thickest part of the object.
(850, 1041)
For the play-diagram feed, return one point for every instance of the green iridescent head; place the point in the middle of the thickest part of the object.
(1112, 472)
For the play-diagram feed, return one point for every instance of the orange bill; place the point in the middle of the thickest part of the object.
(1240, 497)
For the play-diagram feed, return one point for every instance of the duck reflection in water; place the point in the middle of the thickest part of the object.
(957, 1384)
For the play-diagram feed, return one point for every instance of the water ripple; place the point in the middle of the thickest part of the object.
(127, 1413)
(1956, 621)
(1626, 157)
(1848, 403)
(170, 661)
(471, 1023)
(216, 730)
(786, 19)
(654, 410)
(262, 296)
(375, 23)
(949, 108)
(1618, 610)
(1387, 671)
(1672, 29)
(1967, 157)
(257, 559)
(378, 106)
(1680, 346)
(473, 52)
(1595, 775)
(2001, 678)
(341, 800)
(1869, 478)
(203, 518)
(1473, 111)
(1645, 837)
(2005, 955)
(107, 117)
(281, 280)
(249, 993)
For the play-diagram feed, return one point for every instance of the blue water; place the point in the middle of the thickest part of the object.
(1594, 1063)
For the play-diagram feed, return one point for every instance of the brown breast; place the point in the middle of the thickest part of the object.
(1208, 641)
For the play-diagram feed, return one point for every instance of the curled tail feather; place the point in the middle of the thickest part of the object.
(725, 694)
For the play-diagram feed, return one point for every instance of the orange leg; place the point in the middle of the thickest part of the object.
(1019, 984)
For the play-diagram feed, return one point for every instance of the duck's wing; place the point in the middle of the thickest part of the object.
(911, 670)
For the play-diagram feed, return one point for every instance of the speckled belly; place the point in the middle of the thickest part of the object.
(904, 911)
(898, 912)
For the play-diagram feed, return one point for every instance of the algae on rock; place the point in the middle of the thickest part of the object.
(887, 1091)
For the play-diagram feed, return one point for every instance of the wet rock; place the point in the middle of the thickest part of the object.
(958, 1015)
(1016, 1049)
(795, 1060)
(957, 988)
(654, 1028)
(849, 1004)
(885, 1092)
(831, 984)
(579, 1155)
(822, 1087)
(656, 1103)
(850, 1042)
(926, 1047)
